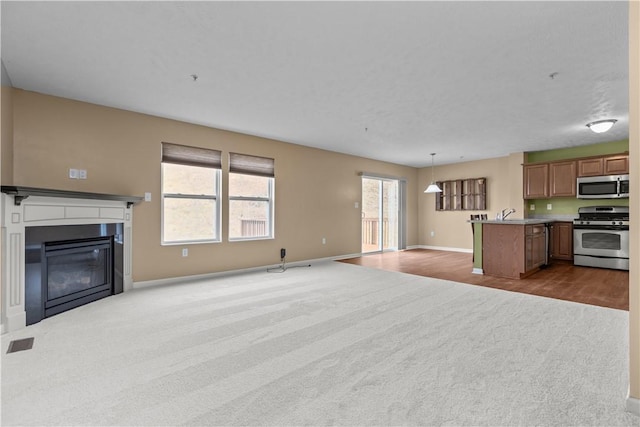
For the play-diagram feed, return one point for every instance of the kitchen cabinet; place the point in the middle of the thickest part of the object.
(535, 247)
(590, 167)
(562, 179)
(604, 165)
(558, 178)
(536, 181)
(513, 251)
(616, 165)
(561, 240)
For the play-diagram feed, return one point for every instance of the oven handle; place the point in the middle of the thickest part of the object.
(601, 227)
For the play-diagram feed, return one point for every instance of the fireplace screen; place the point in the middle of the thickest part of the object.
(77, 269)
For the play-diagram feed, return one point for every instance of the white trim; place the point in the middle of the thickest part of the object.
(443, 248)
(382, 176)
(633, 404)
(207, 276)
(477, 271)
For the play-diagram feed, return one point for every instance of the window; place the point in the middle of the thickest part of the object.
(251, 182)
(190, 194)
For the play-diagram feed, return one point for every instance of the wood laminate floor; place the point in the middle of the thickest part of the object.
(560, 280)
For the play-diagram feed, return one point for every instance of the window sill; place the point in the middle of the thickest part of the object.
(249, 239)
(190, 242)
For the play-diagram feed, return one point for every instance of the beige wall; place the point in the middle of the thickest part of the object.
(634, 201)
(504, 190)
(316, 190)
(6, 136)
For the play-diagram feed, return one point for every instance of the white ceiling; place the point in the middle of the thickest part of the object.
(386, 80)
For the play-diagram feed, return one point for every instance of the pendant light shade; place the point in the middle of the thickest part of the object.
(433, 187)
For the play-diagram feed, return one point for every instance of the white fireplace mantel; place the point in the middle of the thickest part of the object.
(23, 207)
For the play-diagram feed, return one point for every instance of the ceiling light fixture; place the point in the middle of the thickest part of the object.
(433, 187)
(601, 125)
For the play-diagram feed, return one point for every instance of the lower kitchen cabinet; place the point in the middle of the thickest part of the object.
(514, 251)
(561, 241)
(535, 242)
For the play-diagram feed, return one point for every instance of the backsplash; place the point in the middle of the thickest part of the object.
(567, 205)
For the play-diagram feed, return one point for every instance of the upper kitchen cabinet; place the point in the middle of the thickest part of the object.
(604, 165)
(558, 178)
(562, 179)
(536, 181)
(616, 165)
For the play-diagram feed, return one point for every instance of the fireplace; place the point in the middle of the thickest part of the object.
(69, 266)
(61, 249)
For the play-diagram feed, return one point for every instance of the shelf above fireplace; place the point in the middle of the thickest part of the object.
(21, 193)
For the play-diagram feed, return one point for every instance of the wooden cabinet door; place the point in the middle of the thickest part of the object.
(591, 167)
(616, 165)
(562, 240)
(535, 247)
(562, 179)
(536, 181)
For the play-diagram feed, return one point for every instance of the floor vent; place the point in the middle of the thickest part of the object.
(20, 345)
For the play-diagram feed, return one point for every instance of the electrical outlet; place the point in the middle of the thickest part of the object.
(185, 252)
(82, 174)
(532, 207)
(357, 205)
(433, 233)
(324, 241)
(73, 173)
(147, 197)
(549, 207)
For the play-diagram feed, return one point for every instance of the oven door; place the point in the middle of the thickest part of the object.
(600, 242)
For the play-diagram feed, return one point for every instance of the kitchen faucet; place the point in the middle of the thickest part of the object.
(502, 215)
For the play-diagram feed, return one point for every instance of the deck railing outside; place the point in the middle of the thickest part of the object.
(371, 230)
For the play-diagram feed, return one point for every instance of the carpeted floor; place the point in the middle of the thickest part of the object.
(334, 344)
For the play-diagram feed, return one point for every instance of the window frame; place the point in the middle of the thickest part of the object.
(271, 210)
(217, 198)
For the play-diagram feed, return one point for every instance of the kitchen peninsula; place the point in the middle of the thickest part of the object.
(514, 248)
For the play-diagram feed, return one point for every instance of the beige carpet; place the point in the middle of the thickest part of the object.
(334, 344)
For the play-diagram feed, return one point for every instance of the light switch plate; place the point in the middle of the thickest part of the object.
(147, 197)
(82, 174)
(73, 173)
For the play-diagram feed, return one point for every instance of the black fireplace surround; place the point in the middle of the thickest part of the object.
(71, 265)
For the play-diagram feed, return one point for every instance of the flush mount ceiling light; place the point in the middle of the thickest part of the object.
(433, 187)
(601, 125)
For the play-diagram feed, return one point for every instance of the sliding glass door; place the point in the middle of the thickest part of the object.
(380, 214)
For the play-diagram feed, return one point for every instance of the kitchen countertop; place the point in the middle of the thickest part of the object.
(526, 221)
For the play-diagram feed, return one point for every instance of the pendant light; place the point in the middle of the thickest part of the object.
(433, 187)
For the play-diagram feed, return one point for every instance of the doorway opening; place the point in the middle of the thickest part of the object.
(381, 213)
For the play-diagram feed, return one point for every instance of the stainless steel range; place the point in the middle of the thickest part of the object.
(601, 237)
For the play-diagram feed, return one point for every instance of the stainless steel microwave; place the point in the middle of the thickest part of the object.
(603, 187)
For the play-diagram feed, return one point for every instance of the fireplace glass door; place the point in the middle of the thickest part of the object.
(74, 271)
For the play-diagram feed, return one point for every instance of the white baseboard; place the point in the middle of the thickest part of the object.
(477, 271)
(443, 248)
(633, 405)
(206, 276)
